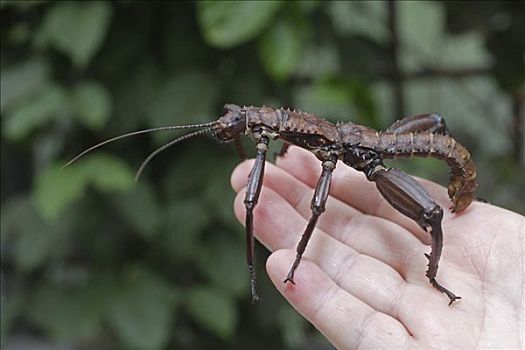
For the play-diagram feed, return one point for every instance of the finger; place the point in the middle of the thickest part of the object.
(277, 225)
(273, 224)
(352, 188)
(344, 319)
(298, 194)
(383, 240)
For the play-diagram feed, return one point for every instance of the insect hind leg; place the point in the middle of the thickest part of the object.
(429, 122)
(410, 198)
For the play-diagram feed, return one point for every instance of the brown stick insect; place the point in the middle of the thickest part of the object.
(363, 148)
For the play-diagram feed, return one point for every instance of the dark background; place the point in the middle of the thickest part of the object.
(92, 260)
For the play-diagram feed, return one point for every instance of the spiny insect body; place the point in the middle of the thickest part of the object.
(363, 148)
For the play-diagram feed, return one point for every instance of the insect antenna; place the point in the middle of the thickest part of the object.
(163, 128)
(169, 144)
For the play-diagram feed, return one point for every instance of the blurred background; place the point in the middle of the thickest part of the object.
(92, 260)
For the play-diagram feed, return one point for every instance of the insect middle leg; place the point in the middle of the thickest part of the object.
(318, 206)
(253, 190)
(410, 198)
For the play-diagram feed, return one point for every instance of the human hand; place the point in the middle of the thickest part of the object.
(362, 279)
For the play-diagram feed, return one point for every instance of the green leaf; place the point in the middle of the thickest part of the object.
(448, 97)
(308, 6)
(31, 239)
(13, 212)
(281, 49)
(216, 189)
(228, 271)
(213, 310)
(92, 103)
(331, 100)
(425, 43)
(11, 302)
(107, 173)
(183, 222)
(21, 5)
(131, 98)
(230, 23)
(139, 207)
(178, 184)
(35, 243)
(76, 28)
(292, 326)
(184, 97)
(47, 105)
(430, 45)
(319, 61)
(56, 188)
(366, 18)
(22, 81)
(67, 314)
(141, 312)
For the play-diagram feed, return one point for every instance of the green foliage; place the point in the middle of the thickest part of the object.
(75, 28)
(35, 239)
(44, 107)
(366, 18)
(281, 49)
(140, 209)
(57, 311)
(56, 188)
(90, 259)
(141, 311)
(92, 104)
(183, 224)
(229, 23)
(213, 310)
(22, 80)
(292, 325)
(10, 310)
(183, 97)
(222, 264)
(433, 43)
(89, 102)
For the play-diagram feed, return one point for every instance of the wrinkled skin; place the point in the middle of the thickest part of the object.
(362, 280)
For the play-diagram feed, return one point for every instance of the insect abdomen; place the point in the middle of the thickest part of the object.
(462, 183)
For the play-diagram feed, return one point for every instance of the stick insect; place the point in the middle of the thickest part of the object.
(363, 148)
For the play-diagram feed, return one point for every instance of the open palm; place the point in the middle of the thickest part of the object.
(362, 279)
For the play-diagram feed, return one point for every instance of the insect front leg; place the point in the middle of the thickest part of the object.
(410, 198)
(318, 206)
(253, 190)
(429, 122)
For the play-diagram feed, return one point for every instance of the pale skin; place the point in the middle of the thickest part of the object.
(362, 278)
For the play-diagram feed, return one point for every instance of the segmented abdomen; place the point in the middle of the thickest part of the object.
(462, 183)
